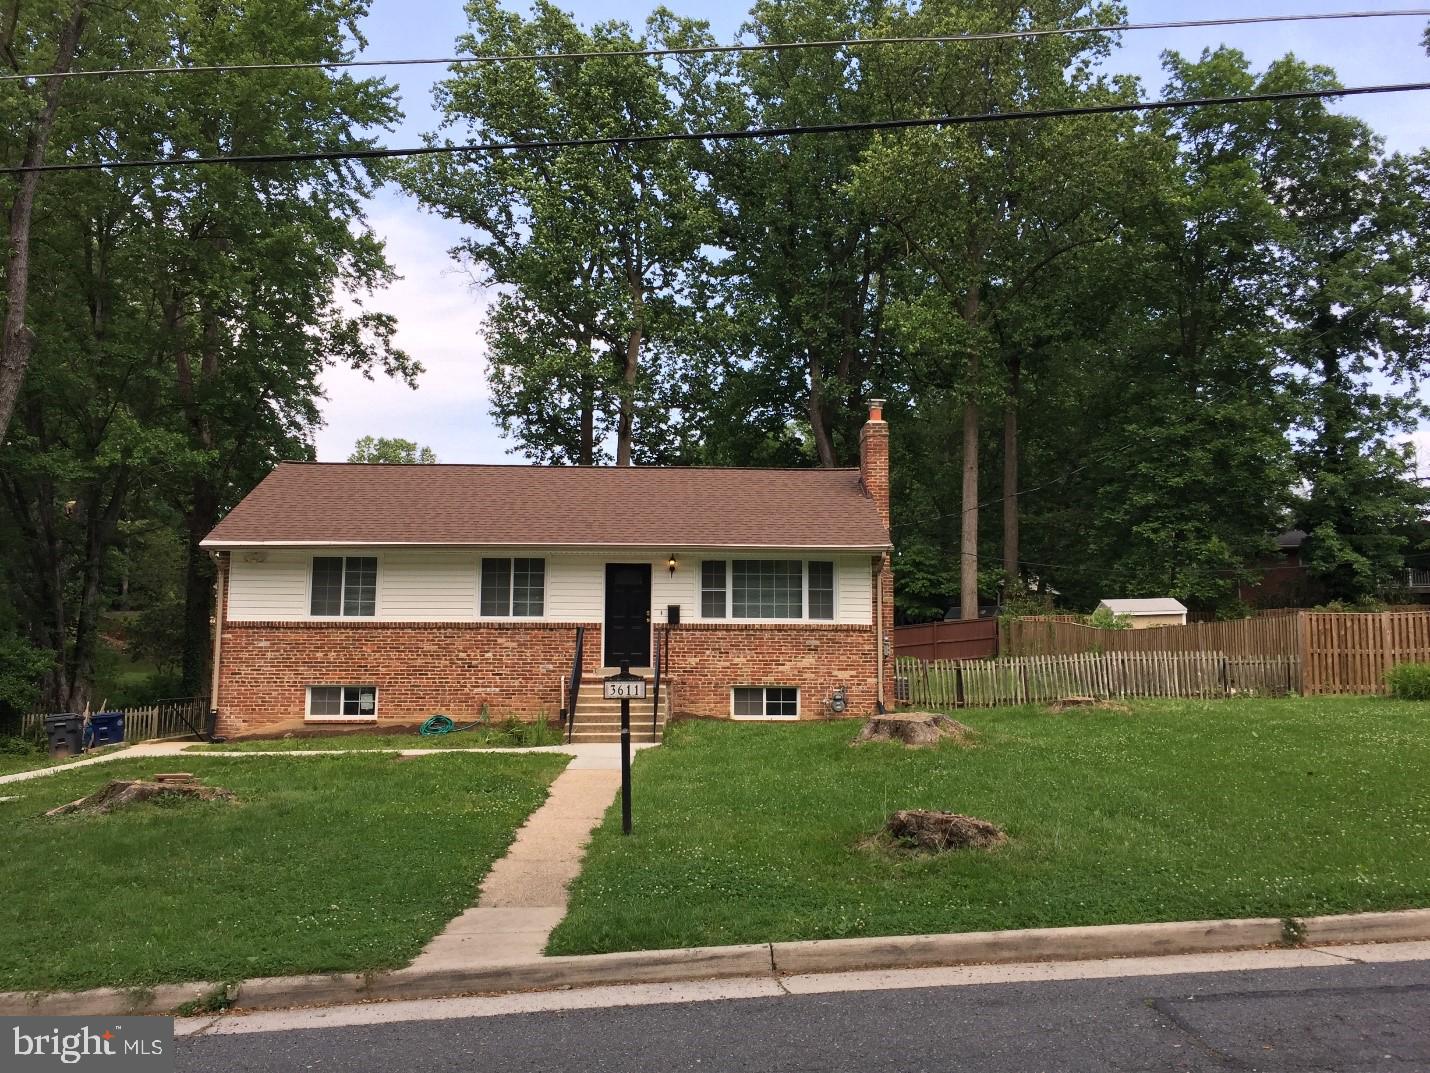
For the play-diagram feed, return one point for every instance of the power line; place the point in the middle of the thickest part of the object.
(379, 153)
(701, 50)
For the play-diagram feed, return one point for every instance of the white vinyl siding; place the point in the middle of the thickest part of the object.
(440, 584)
(428, 586)
(274, 589)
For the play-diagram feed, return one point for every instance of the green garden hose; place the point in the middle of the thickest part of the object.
(442, 724)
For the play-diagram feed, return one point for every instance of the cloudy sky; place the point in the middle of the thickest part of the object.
(440, 313)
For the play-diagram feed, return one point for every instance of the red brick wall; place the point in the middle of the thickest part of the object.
(515, 668)
(707, 659)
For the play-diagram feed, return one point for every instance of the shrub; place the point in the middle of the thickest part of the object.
(1104, 619)
(1409, 681)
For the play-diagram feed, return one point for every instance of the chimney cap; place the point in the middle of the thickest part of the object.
(876, 409)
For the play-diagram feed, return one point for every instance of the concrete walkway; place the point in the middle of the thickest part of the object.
(524, 895)
(587, 757)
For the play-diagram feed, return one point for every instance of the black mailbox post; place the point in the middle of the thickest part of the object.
(625, 687)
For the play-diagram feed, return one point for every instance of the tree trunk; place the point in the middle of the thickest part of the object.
(625, 430)
(1011, 553)
(587, 387)
(968, 537)
(18, 341)
(818, 422)
(199, 574)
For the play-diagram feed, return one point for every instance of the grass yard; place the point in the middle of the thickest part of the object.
(1182, 810)
(324, 864)
(22, 754)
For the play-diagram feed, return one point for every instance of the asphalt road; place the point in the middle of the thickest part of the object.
(1341, 1019)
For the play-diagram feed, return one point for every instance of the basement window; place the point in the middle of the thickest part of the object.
(342, 702)
(764, 702)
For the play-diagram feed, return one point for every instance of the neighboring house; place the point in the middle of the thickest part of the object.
(386, 593)
(1282, 579)
(1145, 613)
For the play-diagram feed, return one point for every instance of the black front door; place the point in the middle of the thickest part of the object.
(628, 614)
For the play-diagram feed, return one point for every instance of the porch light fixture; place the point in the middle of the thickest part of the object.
(672, 564)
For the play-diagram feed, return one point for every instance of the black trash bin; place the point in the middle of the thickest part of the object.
(65, 733)
(105, 728)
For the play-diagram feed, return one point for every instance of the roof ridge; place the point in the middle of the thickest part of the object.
(573, 468)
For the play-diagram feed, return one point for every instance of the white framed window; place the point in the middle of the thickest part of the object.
(513, 588)
(764, 702)
(779, 589)
(714, 588)
(342, 702)
(343, 586)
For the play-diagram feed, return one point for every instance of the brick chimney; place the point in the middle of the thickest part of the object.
(874, 457)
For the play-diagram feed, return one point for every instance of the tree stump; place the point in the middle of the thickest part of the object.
(122, 792)
(915, 729)
(939, 832)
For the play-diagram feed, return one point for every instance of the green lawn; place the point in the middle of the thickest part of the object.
(1182, 810)
(324, 864)
(18, 754)
(498, 736)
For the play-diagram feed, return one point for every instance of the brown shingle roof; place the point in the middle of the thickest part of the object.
(345, 503)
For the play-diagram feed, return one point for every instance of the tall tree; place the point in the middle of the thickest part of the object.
(984, 210)
(591, 249)
(803, 282)
(17, 339)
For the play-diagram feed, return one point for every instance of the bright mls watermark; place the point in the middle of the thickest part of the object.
(110, 1044)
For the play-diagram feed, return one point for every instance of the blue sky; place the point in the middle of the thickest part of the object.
(440, 313)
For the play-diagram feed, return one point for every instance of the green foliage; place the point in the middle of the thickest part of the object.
(1409, 681)
(591, 248)
(394, 451)
(1105, 619)
(21, 668)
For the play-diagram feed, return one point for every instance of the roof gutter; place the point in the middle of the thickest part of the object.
(223, 545)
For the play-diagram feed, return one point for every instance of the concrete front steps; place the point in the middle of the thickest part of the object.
(599, 720)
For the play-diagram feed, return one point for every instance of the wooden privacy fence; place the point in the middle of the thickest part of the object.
(1262, 636)
(166, 719)
(975, 639)
(1350, 653)
(1042, 679)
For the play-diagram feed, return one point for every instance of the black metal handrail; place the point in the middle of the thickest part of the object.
(574, 690)
(655, 708)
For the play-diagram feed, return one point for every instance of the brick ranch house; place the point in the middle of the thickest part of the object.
(383, 594)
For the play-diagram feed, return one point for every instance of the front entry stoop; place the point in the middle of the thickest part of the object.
(599, 719)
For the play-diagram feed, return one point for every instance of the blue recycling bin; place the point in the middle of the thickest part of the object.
(105, 728)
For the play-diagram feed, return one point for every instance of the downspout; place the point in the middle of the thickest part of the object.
(220, 585)
(879, 632)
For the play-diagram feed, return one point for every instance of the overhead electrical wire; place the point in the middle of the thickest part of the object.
(705, 50)
(737, 134)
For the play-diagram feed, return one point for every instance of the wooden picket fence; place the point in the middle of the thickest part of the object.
(1333, 651)
(167, 719)
(1043, 679)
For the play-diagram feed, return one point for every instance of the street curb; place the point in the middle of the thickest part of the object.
(1034, 944)
(1366, 927)
(752, 960)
